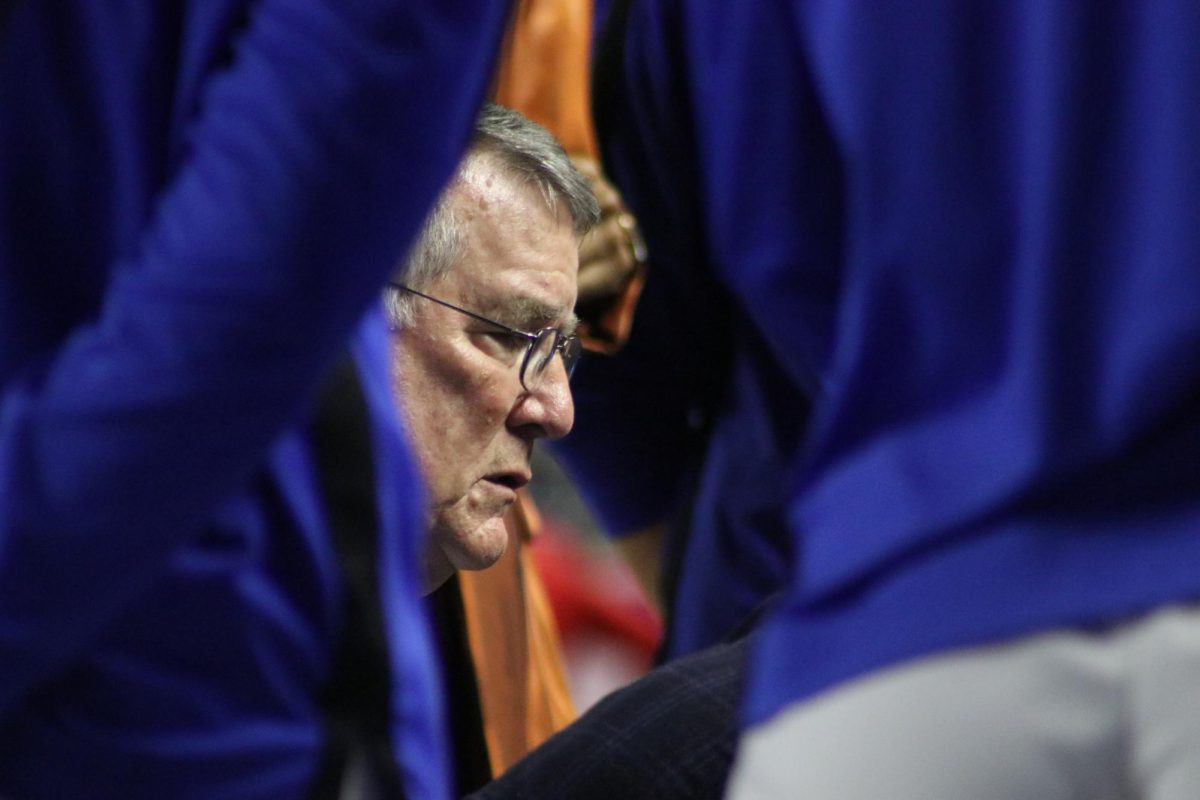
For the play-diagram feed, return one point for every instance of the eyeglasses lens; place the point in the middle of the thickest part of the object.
(541, 353)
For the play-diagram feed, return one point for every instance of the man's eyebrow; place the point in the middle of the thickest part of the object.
(528, 314)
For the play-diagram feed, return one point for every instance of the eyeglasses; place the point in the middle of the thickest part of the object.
(540, 347)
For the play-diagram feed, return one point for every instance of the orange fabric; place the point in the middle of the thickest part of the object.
(550, 706)
(544, 71)
(514, 643)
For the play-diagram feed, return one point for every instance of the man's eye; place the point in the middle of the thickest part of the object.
(509, 340)
(505, 346)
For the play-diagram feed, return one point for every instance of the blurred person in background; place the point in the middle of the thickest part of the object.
(207, 587)
(967, 234)
(975, 231)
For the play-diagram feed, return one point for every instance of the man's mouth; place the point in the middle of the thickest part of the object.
(513, 480)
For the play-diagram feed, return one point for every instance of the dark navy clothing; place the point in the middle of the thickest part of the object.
(968, 231)
(198, 203)
(693, 420)
(669, 735)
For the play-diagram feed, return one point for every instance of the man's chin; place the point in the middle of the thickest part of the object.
(465, 546)
(482, 547)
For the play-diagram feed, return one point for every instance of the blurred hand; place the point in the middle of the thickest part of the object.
(612, 252)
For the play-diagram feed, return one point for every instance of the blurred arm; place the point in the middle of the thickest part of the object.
(308, 170)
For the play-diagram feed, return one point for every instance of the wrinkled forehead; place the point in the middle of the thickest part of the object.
(520, 259)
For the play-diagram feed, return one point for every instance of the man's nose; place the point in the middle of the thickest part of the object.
(550, 406)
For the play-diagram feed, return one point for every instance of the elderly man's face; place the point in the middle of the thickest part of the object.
(472, 424)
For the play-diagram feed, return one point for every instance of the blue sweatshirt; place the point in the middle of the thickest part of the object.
(968, 232)
(198, 204)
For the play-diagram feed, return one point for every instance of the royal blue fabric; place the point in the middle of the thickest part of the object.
(968, 231)
(198, 203)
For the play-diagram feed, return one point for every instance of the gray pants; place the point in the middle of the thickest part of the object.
(1068, 715)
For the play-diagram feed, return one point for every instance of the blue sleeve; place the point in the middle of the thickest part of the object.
(308, 168)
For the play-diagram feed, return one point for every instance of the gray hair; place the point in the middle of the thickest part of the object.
(527, 153)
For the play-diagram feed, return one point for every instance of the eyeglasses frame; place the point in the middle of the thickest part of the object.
(562, 340)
